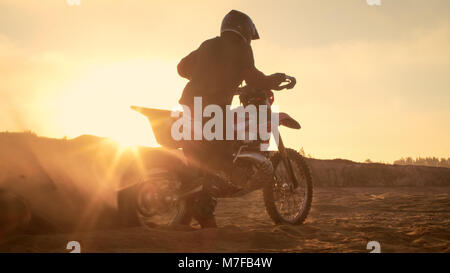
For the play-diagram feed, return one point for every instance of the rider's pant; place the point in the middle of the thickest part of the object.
(205, 159)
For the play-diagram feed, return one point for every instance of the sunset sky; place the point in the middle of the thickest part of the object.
(373, 81)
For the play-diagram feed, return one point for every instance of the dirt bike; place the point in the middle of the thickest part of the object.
(158, 197)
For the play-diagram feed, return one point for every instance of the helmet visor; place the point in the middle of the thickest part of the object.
(255, 34)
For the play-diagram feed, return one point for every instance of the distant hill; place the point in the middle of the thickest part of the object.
(346, 173)
(74, 181)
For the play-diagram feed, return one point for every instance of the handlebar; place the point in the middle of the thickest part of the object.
(290, 82)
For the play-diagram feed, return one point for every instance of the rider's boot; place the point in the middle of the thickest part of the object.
(208, 222)
(214, 186)
(203, 210)
(203, 204)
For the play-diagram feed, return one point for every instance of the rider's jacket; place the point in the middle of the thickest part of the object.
(217, 68)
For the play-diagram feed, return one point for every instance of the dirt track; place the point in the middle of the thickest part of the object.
(342, 220)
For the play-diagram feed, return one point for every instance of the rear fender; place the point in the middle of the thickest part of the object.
(161, 122)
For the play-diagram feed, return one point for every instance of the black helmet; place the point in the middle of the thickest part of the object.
(240, 23)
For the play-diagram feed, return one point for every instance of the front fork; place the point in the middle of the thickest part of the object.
(283, 153)
(287, 162)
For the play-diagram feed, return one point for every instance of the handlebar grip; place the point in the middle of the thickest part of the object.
(291, 82)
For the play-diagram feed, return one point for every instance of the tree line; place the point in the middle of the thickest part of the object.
(424, 161)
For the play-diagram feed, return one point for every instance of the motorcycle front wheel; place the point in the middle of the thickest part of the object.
(284, 202)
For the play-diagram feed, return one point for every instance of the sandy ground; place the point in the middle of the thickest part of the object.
(342, 220)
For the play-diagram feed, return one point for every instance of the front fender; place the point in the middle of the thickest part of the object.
(288, 121)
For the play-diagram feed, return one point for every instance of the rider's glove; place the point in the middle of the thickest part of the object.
(278, 78)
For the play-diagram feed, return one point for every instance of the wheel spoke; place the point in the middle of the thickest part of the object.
(153, 207)
(290, 201)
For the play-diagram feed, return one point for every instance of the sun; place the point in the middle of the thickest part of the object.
(99, 101)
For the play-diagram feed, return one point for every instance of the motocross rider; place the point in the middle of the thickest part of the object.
(214, 71)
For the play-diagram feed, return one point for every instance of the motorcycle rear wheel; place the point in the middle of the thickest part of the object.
(146, 204)
(280, 193)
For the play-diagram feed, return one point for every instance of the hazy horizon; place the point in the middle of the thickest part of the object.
(373, 80)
